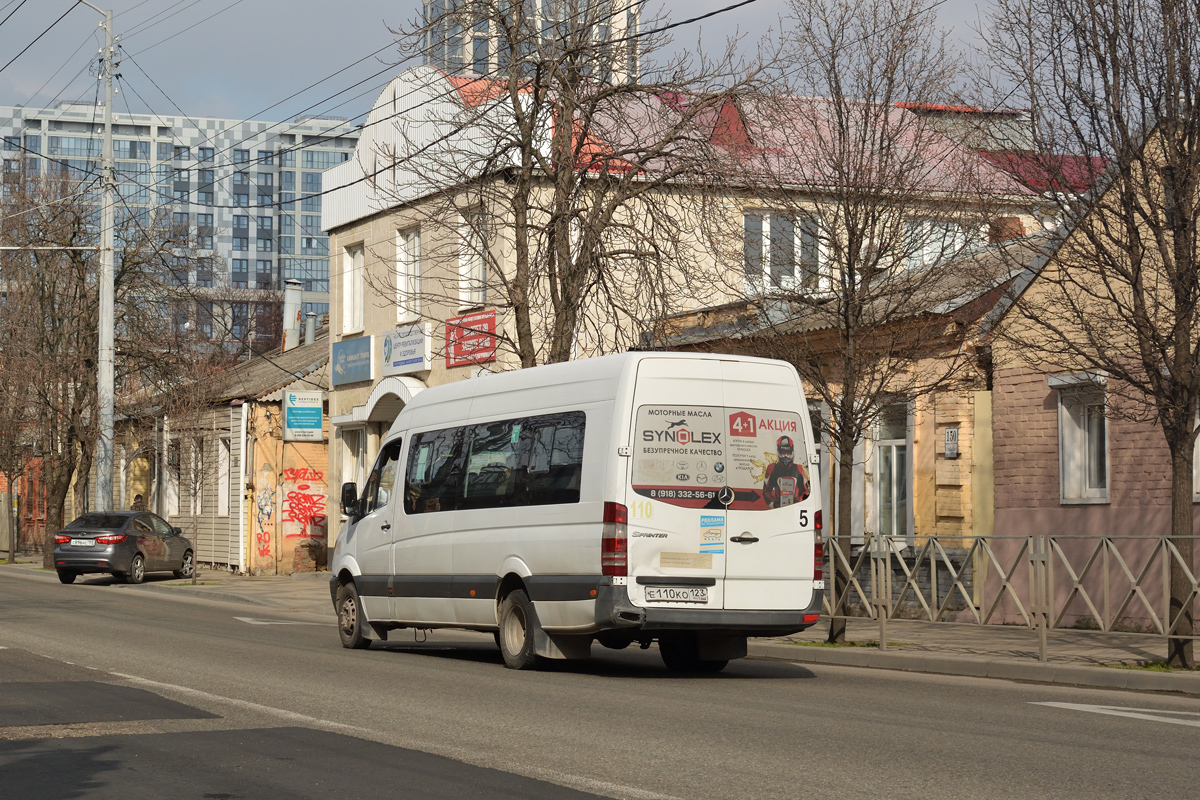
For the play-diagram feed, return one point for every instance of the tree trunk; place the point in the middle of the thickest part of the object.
(1179, 645)
(843, 527)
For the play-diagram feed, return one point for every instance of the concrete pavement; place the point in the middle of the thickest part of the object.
(1076, 658)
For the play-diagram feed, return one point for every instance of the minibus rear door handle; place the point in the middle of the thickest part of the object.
(745, 538)
(387, 526)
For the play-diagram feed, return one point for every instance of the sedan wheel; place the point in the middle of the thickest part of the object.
(137, 570)
(67, 575)
(187, 567)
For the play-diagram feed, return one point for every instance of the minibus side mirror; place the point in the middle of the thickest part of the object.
(350, 500)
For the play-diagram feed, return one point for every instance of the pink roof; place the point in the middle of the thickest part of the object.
(1044, 173)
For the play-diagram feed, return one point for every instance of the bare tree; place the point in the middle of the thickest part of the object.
(1112, 88)
(51, 316)
(572, 167)
(857, 211)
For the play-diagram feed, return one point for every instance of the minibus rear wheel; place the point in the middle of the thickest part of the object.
(351, 629)
(516, 631)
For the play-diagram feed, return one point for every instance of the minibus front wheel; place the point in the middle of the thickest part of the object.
(351, 626)
(517, 622)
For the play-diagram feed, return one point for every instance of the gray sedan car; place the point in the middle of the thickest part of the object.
(127, 544)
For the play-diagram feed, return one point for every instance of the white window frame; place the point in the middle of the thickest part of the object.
(196, 477)
(905, 471)
(1196, 462)
(353, 288)
(1079, 394)
(924, 247)
(408, 275)
(172, 482)
(766, 283)
(353, 454)
(223, 477)
(472, 266)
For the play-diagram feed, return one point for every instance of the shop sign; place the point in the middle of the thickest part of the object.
(302, 415)
(407, 350)
(352, 360)
(471, 339)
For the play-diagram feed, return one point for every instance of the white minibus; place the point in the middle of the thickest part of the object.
(638, 497)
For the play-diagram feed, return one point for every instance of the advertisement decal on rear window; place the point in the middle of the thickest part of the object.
(686, 456)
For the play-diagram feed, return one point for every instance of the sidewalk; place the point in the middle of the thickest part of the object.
(1075, 658)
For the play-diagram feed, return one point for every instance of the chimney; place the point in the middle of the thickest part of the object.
(310, 327)
(292, 296)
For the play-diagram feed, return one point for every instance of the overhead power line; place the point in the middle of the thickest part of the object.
(39, 36)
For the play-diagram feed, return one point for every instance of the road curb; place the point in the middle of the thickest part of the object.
(936, 664)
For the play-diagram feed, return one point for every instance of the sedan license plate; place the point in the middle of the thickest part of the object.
(83, 542)
(677, 594)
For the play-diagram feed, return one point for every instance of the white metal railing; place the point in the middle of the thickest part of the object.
(1114, 584)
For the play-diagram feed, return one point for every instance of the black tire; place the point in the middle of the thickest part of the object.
(681, 653)
(67, 575)
(517, 621)
(496, 636)
(137, 570)
(351, 628)
(187, 566)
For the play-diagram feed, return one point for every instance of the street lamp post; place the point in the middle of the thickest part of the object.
(104, 378)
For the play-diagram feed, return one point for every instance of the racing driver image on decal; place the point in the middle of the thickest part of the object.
(787, 481)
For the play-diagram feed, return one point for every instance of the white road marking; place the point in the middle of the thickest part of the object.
(593, 785)
(254, 621)
(550, 776)
(291, 716)
(1151, 714)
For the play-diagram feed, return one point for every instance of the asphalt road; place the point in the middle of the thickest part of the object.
(110, 691)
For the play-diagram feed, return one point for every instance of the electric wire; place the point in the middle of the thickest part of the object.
(39, 36)
(400, 113)
(15, 10)
(190, 27)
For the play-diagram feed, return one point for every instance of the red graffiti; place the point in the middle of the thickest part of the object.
(306, 508)
(264, 544)
(303, 474)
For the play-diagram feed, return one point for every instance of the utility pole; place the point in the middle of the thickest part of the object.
(104, 379)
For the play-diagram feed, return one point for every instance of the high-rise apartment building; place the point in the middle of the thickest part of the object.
(463, 37)
(248, 192)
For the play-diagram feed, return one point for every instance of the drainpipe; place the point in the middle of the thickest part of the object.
(242, 509)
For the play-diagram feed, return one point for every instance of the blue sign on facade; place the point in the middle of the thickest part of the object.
(352, 361)
(302, 415)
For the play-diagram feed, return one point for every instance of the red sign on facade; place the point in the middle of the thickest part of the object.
(471, 339)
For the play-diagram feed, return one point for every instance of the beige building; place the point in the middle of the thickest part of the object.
(409, 308)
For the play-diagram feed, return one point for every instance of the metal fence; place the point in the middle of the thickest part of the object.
(1114, 584)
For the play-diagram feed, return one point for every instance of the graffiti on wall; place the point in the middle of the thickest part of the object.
(304, 512)
(264, 510)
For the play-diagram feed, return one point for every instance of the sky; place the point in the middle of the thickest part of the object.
(244, 59)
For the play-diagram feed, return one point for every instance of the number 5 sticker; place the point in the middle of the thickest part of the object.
(803, 518)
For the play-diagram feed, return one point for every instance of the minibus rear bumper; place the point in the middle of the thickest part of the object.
(614, 611)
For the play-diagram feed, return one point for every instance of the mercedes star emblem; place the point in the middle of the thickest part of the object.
(725, 496)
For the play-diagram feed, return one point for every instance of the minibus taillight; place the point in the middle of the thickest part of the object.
(819, 549)
(614, 554)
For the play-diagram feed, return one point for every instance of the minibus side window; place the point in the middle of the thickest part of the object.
(493, 463)
(434, 472)
(555, 459)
